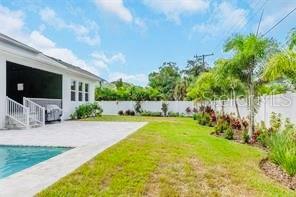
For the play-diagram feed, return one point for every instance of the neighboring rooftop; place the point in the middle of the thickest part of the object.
(10, 40)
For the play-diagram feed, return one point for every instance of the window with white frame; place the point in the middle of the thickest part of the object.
(80, 91)
(73, 90)
(86, 96)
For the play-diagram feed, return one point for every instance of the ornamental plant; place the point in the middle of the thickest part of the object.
(87, 110)
(164, 108)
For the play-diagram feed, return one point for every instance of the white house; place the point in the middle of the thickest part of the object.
(28, 77)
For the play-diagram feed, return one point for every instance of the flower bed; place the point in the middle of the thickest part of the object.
(279, 140)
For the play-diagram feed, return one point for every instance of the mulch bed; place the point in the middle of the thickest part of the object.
(275, 172)
(270, 169)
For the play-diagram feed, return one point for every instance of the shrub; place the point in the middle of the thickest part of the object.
(275, 121)
(173, 114)
(145, 113)
(283, 150)
(228, 134)
(127, 112)
(209, 110)
(221, 126)
(194, 110)
(204, 119)
(235, 123)
(194, 116)
(213, 117)
(188, 110)
(158, 114)
(164, 108)
(263, 134)
(245, 123)
(246, 136)
(87, 110)
(201, 108)
(138, 107)
(120, 112)
(149, 113)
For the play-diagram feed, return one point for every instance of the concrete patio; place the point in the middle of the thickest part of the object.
(88, 139)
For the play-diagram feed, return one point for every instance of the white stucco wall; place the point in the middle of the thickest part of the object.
(68, 105)
(2, 90)
(285, 104)
(8, 53)
(112, 107)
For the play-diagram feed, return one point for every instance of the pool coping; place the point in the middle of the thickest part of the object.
(36, 178)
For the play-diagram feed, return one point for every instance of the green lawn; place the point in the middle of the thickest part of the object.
(170, 157)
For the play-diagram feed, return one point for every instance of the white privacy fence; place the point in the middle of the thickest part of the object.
(285, 104)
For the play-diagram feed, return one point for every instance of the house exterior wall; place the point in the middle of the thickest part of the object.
(2, 90)
(68, 105)
(8, 53)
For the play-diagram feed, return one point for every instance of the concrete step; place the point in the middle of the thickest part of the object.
(12, 124)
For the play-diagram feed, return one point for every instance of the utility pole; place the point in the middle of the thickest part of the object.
(203, 57)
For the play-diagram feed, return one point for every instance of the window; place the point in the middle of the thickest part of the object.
(86, 92)
(73, 90)
(80, 91)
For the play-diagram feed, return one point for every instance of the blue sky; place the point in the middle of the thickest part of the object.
(130, 38)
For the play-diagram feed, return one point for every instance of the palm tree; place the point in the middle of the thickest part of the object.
(180, 90)
(207, 88)
(283, 63)
(248, 54)
(232, 86)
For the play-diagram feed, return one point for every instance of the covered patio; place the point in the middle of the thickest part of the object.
(23, 81)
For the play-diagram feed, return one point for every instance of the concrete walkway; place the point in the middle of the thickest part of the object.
(88, 138)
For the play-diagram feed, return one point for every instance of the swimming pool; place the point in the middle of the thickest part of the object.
(16, 158)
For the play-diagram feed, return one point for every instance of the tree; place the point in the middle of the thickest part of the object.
(194, 68)
(207, 88)
(272, 88)
(249, 52)
(180, 90)
(292, 39)
(232, 87)
(283, 63)
(165, 80)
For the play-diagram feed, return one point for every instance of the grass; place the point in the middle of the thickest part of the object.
(170, 157)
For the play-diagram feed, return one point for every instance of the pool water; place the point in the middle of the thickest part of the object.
(16, 158)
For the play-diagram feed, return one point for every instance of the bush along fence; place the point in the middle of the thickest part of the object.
(284, 104)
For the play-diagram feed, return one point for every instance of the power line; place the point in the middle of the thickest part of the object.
(279, 22)
(203, 57)
(249, 19)
(259, 23)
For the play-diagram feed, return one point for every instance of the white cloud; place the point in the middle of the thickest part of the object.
(11, 22)
(225, 17)
(174, 9)
(116, 7)
(88, 33)
(102, 61)
(40, 41)
(139, 79)
(140, 23)
(98, 62)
